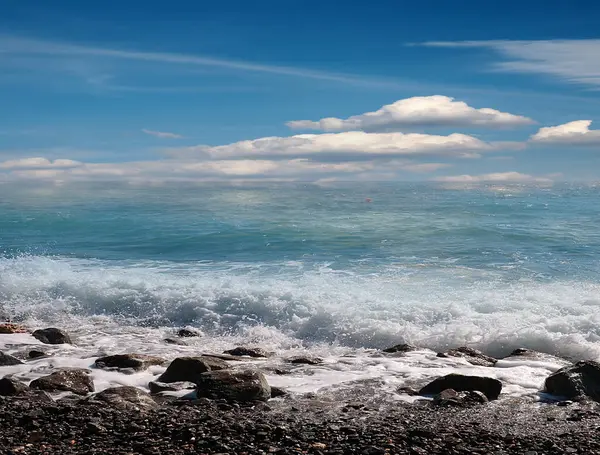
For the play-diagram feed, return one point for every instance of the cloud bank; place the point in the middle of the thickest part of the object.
(499, 177)
(436, 110)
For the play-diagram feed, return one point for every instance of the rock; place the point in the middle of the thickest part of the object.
(187, 333)
(190, 368)
(473, 356)
(451, 397)
(126, 398)
(52, 336)
(9, 329)
(278, 392)
(33, 354)
(248, 352)
(306, 360)
(8, 360)
(233, 358)
(401, 348)
(407, 391)
(10, 387)
(158, 387)
(74, 380)
(580, 379)
(137, 362)
(460, 383)
(234, 385)
(175, 341)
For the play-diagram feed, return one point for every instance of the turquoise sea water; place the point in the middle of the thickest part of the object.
(491, 267)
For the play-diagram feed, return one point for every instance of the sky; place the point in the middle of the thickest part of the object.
(460, 92)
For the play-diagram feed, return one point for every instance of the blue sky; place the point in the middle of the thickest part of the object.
(150, 92)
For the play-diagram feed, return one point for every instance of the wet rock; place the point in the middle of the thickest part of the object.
(187, 333)
(158, 387)
(473, 356)
(278, 392)
(126, 398)
(9, 329)
(247, 352)
(490, 387)
(234, 385)
(10, 386)
(451, 397)
(580, 379)
(175, 341)
(137, 362)
(74, 380)
(34, 354)
(405, 347)
(8, 360)
(306, 360)
(190, 368)
(408, 391)
(52, 336)
(232, 358)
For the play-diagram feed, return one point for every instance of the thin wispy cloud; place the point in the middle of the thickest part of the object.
(162, 134)
(574, 61)
(10, 45)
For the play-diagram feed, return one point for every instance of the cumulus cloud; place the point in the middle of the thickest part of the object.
(434, 110)
(162, 135)
(344, 146)
(571, 60)
(499, 177)
(572, 133)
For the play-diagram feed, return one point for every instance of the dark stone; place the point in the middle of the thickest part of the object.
(175, 341)
(8, 360)
(126, 398)
(405, 347)
(473, 356)
(187, 333)
(234, 385)
(190, 368)
(278, 392)
(9, 329)
(10, 387)
(52, 336)
(580, 379)
(306, 360)
(451, 397)
(460, 383)
(137, 362)
(248, 352)
(408, 391)
(158, 387)
(74, 380)
(33, 354)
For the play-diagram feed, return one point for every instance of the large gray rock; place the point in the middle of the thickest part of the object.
(126, 398)
(73, 380)
(451, 397)
(579, 380)
(490, 387)
(8, 360)
(137, 362)
(401, 348)
(234, 385)
(10, 387)
(473, 356)
(52, 336)
(190, 368)
(159, 387)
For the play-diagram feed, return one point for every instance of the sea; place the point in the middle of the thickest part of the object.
(337, 271)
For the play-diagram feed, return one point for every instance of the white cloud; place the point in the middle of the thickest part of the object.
(434, 110)
(499, 177)
(162, 135)
(344, 146)
(572, 133)
(39, 163)
(571, 60)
